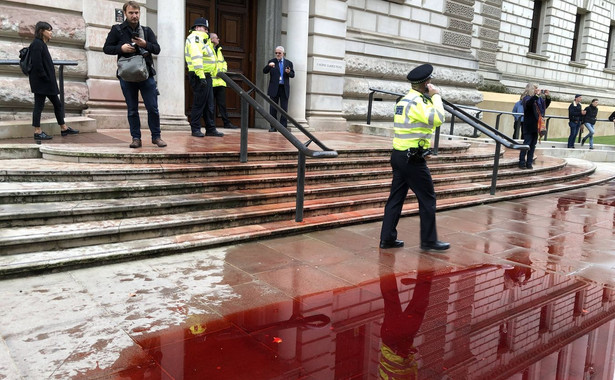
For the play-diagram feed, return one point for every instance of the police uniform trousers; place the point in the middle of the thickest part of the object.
(203, 105)
(414, 175)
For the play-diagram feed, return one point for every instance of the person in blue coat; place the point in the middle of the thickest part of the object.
(43, 82)
(518, 108)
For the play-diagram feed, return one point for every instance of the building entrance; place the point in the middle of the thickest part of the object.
(235, 23)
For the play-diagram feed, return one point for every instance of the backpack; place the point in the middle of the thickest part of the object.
(25, 61)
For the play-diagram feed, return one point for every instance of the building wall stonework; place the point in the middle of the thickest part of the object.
(17, 30)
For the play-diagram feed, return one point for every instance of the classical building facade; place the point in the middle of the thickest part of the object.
(340, 49)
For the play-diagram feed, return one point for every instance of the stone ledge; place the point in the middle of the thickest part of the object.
(17, 129)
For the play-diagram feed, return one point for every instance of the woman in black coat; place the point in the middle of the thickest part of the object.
(43, 82)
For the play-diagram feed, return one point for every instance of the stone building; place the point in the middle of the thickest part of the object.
(340, 49)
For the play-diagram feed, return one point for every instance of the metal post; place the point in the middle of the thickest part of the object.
(497, 122)
(300, 187)
(496, 164)
(61, 75)
(369, 107)
(243, 139)
(436, 141)
(475, 135)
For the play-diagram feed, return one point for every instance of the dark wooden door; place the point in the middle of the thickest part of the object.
(235, 23)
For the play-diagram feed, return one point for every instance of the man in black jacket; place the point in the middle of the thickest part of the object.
(575, 116)
(127, 39)
(280, 71)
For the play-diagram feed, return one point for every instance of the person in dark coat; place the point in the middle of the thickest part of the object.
(589, 120)
(43, 82)
(531, 112)
(280, 71)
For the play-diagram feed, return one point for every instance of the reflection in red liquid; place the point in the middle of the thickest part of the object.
(453, 324)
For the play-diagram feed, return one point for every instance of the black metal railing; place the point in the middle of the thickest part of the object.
(500, 113)
(302, 148)
(478, 125)
(60, 72)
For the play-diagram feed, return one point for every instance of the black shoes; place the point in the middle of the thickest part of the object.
(435, 246)
(198, 134)
(391, 244)
(231, 126)
(69, 131)
(529, 166)
(271, 129)
(136, 143)
(214, 133)
(42, 136)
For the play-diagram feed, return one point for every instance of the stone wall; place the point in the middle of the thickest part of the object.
(552, 66)
(17, 23)
(384, 41)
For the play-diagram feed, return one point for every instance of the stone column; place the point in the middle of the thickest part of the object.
(170, 64)
(297, 51)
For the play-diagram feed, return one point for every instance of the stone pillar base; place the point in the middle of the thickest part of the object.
(321, 123)
(174, 123)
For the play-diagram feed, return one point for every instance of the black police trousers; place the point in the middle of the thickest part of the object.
(414, 175)
(203, 105)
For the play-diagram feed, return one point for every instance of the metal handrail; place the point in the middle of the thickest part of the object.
(302, 148)
(456, 111)
(60, 72)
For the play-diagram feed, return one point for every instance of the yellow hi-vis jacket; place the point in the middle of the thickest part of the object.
(199, 54)
(416, 119)
(221, 67)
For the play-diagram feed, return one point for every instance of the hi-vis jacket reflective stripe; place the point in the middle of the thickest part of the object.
(199, 54)
(416, 118)
(221, 67)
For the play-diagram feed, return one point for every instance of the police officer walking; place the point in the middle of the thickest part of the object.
(416, 117)
(201, 60)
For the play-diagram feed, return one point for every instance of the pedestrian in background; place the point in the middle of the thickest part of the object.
(589, 120)
(43, 82)
(531, 115)
(517, 127)
(219, 84)
(575, 117)
(280, 71)
(201, 61)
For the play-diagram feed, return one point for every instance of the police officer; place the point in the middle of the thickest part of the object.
(416, 117)
(219, 83)
(201, 60)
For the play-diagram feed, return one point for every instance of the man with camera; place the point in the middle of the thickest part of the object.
(201, 61)
(417, 115)
(127, 39)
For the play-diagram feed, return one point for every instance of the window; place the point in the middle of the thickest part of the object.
(579, 302)
(536, 28)
(608, 60)
(546, 316)
(577, 39)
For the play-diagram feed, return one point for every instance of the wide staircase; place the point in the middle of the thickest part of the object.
(77, 207)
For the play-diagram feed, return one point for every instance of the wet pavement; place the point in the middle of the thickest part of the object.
(527, 291)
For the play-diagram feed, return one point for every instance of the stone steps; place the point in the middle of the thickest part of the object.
(113, 222)
(79, 205)
(20, 264)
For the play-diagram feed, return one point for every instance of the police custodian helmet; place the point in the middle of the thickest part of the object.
(201, 21)
(420, 74)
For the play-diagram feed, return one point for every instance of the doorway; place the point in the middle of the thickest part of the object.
(235, 23)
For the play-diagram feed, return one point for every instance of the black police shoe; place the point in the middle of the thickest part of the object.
(435, 246)
(391, 244)
(198, 134)
(214, 133)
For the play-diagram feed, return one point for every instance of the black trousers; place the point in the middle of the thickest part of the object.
(39, 104)
(203, 105)
(282, 98)
(417, 177)
(220, 97)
